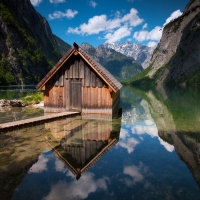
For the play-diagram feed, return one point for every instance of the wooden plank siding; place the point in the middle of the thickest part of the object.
(96, 100)
(77, 82)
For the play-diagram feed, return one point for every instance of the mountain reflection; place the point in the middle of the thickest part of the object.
(176, 113)
(137, 116)
(156, 147)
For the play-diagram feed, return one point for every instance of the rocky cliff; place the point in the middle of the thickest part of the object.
(177, 57)
(28, 49)
(121, 66)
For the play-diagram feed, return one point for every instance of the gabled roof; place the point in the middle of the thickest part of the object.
(100, 70)
(90, 161)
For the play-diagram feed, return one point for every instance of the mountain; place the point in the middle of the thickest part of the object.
(62, 46)
(176, 60)
(121, 66)
(140, 53)
(28, 49)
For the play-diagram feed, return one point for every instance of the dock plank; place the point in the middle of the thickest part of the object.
(35, 120)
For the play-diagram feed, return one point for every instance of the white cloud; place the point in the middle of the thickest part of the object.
(167, 146)
(92, 3)
(60, 167)
(40, 166)
(151, 129)
(152, 44)
(144, 26)
(154, 34)
(123, 133)
(68, 14)
(36, 2)
(132, 18)
(101, 23)
(118, 34)
(57, 1)
(173, 16)
(136, 172)
(148, 128)
(129, 144)
(77, 189)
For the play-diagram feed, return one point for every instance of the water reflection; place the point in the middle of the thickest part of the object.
(82, 142)
(137, 117)
(152, 157)
(71, 145)
(176, 112)
(15, 91)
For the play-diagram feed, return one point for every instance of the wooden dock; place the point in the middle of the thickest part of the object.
(33, 121)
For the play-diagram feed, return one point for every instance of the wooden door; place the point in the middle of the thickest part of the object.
(76, 94)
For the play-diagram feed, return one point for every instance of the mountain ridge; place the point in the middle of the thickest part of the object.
(176, 60)
(139, 52)
(121, 66)
(28, 48)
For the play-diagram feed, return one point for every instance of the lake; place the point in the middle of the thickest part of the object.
(15, 91)
(151, 152)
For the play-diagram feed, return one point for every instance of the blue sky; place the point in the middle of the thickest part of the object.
(113, 21)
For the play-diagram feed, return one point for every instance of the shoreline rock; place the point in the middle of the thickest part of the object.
(18, 103)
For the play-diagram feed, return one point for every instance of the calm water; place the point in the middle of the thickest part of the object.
(151, 152)
(15, 91)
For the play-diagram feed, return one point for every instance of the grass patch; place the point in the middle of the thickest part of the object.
(141, 75)
(33, 98)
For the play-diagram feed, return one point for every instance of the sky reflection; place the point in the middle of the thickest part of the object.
(77, 189)
(138, 121)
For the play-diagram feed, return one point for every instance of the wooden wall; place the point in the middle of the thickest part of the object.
(96, 100)
(95, 94)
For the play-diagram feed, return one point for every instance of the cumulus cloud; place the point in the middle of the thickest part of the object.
(167, 146)
(57, 1)
(123, 133)
(77, 189)
(60, 167)
(118, 34)
(40, 166)
(136, 172)
(151, 129)
(114, 29)
(152, 44)
(36, 2)
(93, 4)
(132, 18)
(143, 35)
(67, 14)
(144, 26)
(173, 16)
(129, 144)
(155, 34)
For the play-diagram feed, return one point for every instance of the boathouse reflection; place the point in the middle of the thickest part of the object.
(82, 142)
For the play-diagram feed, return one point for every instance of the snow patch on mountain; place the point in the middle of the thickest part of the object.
(140, 53)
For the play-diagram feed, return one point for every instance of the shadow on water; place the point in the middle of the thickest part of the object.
(79, 143)
(176, 112)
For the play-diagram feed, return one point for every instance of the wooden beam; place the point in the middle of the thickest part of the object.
(57, 68)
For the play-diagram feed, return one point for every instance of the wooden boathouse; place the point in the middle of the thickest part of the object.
(79, 83)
